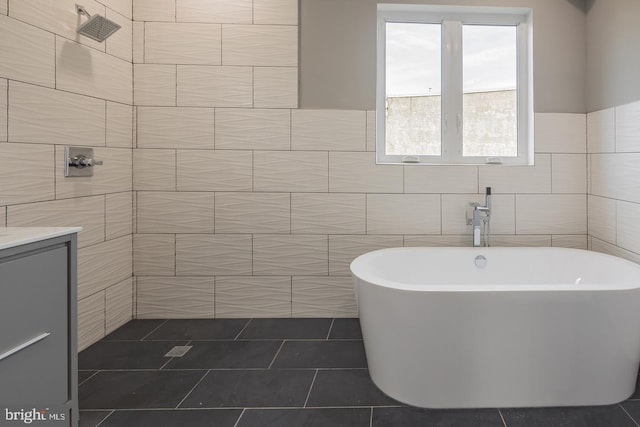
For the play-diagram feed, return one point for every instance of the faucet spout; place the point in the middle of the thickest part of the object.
(481, 221)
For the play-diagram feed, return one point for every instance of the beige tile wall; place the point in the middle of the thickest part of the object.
(614, 180)
(58, 88)
(250, 207)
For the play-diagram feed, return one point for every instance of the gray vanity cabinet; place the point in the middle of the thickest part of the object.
(38, 350)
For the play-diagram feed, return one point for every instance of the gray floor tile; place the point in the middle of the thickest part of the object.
(413, 417)
(321, 354)
(582, 416)
(342, 417)
(174, 418)
(125, 355)
(251, 388)
(287, 329)
(227, 354)
(347, 387)
(199, 329)
(137, 389)
(134, 330)
(346, 329)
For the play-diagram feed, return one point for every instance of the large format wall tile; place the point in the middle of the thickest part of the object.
(114, 176)
(207, 86)
(571, 241)
(551, 214)
(172, 43)
(85, 212)
(4, 6)
(218, 170)
(437, 241)
(260, 45)
(284, 12)
(103, 265)
(359, 173)
(123, 7)
(26, 53)
(154, 254)
(328, 213)
(26, 173)
(91, 320)
(253, 213)
(303, 171)
(628, 227)
(211, 255)
(119, 43)
(86, 71)
(602, 218)
(334, 130)
(154, 10)
(220, 11)
(323, 297)
(628, 128)
(119, 125)
(607, 248)
(48, 116)
(138, 42)
(440, 179)
(344, 249)
(119, 215)
(4, 106)
(616, 176)
(252, 296)
(601, 131)
(560, 133)
(163, 127)
(119, 305)
(569, 173)
(175, 297)
(285, 255)
(403, 214)
(154, 169)
(518, 179)
(275, 87)
(180, 212)
(244, 129)
(154, 85)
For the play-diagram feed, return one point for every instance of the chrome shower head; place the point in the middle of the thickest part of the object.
(97, 27)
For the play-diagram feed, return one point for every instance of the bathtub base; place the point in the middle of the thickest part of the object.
(501, 349)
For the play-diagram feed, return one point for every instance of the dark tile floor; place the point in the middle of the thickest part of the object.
(271, 372)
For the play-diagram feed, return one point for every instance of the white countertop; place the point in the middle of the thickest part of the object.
(16, 236)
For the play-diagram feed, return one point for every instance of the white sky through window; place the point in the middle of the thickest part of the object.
(490, 58)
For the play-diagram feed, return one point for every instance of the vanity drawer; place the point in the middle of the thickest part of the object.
(34, 302)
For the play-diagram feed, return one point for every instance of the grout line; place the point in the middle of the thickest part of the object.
(629, 415)
(277, 353)
(242, 330)
(155, 329)
(238, 420)
(88, 378)
(191, 391)
(371, 418)
(502, 417)
(310, 388)
(166, 363)
(104, 419)
(331, 327)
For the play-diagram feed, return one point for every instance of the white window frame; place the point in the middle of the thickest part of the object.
(452, 18)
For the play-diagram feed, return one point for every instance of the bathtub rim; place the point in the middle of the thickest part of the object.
(358, 271)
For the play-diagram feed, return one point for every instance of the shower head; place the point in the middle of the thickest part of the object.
(97, 27)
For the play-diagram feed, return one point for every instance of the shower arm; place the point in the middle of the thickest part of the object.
(82, 11)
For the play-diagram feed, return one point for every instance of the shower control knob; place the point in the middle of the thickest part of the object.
(83, 162)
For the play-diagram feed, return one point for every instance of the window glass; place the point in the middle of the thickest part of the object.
(413, 79)
(490, 101)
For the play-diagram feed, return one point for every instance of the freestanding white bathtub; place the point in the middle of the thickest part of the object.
(532, 327)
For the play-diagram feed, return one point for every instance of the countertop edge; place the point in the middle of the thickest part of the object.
(11, 237)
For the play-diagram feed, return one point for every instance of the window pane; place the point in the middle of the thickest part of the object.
(413, 75)
(490, 112)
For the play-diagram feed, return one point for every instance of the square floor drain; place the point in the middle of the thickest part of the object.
(178, 351)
